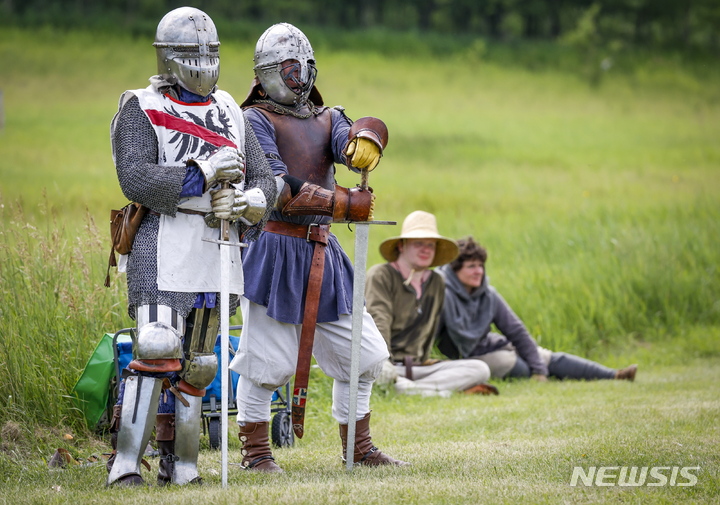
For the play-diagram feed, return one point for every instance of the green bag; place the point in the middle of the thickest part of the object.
(92, 390)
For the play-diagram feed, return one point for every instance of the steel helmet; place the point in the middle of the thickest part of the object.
(279, 43)
(187, 48)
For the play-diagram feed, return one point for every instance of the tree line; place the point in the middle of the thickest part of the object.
(663, 23)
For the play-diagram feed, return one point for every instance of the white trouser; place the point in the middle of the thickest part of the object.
(267, 357)
(442, 378)
(502, 361)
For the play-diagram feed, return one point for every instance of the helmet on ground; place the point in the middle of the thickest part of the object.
(289, 83)
(187, 49)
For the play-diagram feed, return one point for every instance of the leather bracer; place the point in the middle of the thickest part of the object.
(343, 204)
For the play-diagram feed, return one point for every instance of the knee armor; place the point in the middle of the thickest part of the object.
(157, 348)
(200, 361)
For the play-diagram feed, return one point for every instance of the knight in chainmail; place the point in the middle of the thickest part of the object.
(135, 137)
(297, 301)
(184, 150)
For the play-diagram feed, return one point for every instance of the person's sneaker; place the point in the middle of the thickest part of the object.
(482, 389)
(627, 373)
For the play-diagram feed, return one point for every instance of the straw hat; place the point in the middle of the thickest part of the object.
(421, 225)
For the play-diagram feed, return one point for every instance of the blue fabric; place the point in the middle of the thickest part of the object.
(190, 97)
(205, 300)
(124, 354)
(194, 182)
(277, 267)
(166, 404)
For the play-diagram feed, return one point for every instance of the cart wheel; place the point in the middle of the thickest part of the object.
(214, 436)
(282, 432)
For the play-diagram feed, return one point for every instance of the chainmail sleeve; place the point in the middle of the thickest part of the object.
(141, 179)
(257, 175)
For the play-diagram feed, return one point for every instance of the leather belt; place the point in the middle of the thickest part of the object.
(182, 211)
(317, 233)
(311, 232)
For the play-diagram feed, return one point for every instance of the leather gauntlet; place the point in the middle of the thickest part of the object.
(342, 204)
(370, 128)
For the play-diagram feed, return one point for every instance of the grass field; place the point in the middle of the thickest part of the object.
(519, 447)
(599, 206)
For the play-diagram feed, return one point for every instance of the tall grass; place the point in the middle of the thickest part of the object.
(598, 205)
(54, 308)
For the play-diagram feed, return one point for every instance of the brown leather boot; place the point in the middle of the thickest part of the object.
(365, 452)
(627, 373)
(482, 389)
(165, 437)
(256, 452)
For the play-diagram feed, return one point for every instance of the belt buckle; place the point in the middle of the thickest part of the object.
(309, 232)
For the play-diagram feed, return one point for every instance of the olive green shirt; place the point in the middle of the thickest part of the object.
(407, 323)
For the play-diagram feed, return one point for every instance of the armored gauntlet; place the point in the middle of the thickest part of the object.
(234, 203)
(225, 164)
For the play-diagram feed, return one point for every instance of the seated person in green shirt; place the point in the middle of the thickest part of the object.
(472, 305)
(405, 298)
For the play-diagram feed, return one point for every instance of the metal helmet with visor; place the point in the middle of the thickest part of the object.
(285, 64)
(187, 49)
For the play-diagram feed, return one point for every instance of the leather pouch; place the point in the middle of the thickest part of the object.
(124, 224)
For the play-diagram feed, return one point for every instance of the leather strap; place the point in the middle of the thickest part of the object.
(408, 362)
(319, 235)
(182, 211)
(311, 233)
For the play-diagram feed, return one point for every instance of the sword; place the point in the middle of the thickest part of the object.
(362, 232)
(224, 342)
(225, 246)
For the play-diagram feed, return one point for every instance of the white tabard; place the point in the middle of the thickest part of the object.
(186, 261)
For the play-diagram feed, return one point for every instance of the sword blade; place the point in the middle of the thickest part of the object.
(362, 232)
(224, 345)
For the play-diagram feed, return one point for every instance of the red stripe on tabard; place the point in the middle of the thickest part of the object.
(160, 118)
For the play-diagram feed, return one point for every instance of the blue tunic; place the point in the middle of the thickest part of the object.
(277, 267)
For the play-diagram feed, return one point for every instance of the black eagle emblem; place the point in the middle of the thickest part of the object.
(219, 124)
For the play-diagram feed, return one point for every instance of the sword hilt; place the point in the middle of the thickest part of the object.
(224, 223)
(364, 174)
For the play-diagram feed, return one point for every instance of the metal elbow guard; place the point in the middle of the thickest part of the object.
(256, 206)
(200, 370)
(157, 348)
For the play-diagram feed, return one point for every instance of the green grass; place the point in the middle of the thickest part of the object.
(519, 447)
(599, 206)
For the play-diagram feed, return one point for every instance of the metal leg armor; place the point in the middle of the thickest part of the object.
(180, 446)
(187, 441)
(138, 418)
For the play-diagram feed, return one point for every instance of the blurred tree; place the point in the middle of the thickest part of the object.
(677, 23)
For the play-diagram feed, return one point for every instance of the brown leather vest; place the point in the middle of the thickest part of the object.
(305, 145)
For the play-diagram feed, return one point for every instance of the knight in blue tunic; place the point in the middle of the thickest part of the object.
(297, 259)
